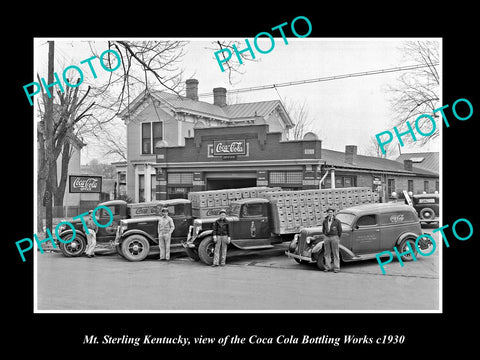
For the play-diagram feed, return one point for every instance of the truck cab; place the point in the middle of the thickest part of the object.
(128, 219)
(136, 238)
(253, 225)
(105, 235)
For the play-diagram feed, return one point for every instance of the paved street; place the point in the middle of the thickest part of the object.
(262, 280)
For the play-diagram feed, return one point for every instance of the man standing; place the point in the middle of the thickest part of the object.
(165, 230)
(221, 238)
(91, 236)
(332, 229)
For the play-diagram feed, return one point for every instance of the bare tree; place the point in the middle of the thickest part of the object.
(54, 133)
(417, 91)
(299, 115)
(233, 66)
(85, 112)
(373, 149)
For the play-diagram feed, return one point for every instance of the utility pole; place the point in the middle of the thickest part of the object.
(47, 197)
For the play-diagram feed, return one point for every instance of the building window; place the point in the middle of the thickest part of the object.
(178, 192)
(437, 186)
(285, 177)
(425, 186)
(152, 132)
(180, 178)
(410, 186)
(141, 188)
(390, 186)
(340, 181)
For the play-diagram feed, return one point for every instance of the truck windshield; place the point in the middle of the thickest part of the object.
(346, 218)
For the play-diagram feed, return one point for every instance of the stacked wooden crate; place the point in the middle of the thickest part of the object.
(307, 208)
(209, 203)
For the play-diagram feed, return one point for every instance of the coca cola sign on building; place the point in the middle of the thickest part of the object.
(85, 184)
(229, 147)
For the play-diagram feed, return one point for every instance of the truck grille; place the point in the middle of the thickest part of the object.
(302, 243)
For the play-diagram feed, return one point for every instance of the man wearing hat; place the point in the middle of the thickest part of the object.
(221, 238)
(91, 236)
(165, 230)
(332, 229)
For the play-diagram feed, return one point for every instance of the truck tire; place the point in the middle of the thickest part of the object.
(135, 247)
(403, 248)
(206, 250)
(427, 214)
(74, 248)
(193, 254)
(301, 261)
(321, 261)
(119, 250)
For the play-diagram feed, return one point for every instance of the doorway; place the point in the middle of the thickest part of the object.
(228, 183)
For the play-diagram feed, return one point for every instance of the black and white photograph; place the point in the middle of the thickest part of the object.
(223, 176)
(232, 182)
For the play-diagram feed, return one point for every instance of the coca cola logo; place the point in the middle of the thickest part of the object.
(396, 218)
(227, 147)
(85, 184)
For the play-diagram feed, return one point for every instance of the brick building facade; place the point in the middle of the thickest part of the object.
(178, 144)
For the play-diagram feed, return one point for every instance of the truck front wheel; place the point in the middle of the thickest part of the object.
(193, 254)
(321, 261)
(135, 248)
(206, 250)
(404, 249)
(74, 248)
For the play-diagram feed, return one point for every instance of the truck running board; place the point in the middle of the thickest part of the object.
(255, 247)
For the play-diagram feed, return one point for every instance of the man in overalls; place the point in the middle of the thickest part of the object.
(165, 230)
(221, 238)
(91, 236)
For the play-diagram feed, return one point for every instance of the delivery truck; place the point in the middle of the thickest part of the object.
(268, 218)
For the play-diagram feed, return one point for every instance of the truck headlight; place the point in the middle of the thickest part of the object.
(197, 227)
(122, 228)
(293, 244)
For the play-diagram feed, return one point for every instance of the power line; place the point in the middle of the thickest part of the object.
(326, 78)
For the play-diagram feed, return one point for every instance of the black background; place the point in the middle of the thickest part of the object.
(60, 335)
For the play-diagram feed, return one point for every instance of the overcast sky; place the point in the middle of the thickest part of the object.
(343, 112)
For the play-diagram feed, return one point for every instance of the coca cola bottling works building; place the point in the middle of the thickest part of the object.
(177, 144)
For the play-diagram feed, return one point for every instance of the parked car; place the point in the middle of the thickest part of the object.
(427, 206)
(367, 230)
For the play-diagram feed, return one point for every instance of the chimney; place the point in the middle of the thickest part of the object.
(220, 96)
(350, 154)
(192, 89)
(407, 165)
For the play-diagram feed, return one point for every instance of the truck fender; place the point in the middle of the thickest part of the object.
(404, 236)
(137, 232)
(316, 250)
(345, 253)
(202, 236)
(66, 232)
(293, 244)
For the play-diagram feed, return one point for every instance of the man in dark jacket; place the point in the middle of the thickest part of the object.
(221, 238)
(332, 229)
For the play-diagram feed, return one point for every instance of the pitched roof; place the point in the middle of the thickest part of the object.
(227, 112)
(424, 160)
(337, 158)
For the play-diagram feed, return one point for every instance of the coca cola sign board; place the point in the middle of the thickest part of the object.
(85, 184)
(229, 147)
